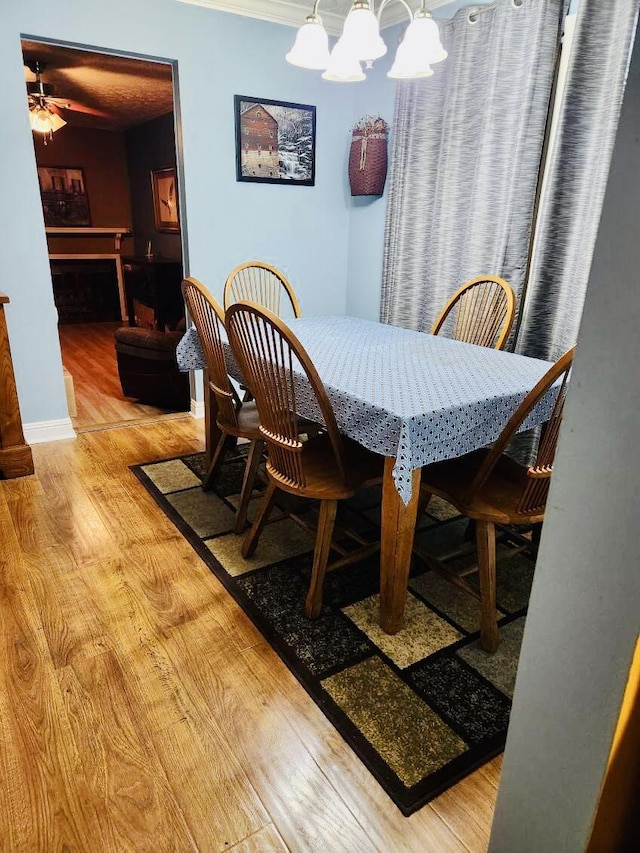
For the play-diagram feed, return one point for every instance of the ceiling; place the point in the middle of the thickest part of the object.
(293, 12)
(124, 92)
(121, 92)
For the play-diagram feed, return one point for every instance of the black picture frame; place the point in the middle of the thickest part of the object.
(63, 191)
(275, 141)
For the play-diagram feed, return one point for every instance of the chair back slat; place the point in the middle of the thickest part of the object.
(534, 496)
(480, 312)
(208, 319)
(272, 360)
(255, 281)
(535, 492)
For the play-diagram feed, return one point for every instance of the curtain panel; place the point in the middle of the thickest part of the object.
(466, 157)
(576, 178)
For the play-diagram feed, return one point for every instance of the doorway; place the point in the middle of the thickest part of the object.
(104, 134)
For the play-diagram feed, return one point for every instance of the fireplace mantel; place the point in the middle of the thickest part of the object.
(118, 232)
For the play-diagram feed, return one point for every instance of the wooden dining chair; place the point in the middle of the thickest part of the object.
(491, 488)
(235, 419)
(260, 283)
(480, 312)
(328, 466)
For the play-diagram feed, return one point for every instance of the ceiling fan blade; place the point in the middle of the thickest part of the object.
(58, 102)
(77, 107)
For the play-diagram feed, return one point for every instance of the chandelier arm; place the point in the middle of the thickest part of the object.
(315, 7)
(404, 3)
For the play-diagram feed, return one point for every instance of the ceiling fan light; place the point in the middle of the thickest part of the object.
(423, 35)
(409, 64)
(343, 66)
(311, 47)
(43, 120)
(40, 120)
(58, 122)
(361, 32)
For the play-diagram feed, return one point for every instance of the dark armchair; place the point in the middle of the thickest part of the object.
(148, 370)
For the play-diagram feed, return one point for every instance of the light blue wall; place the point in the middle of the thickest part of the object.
(303, 230)
(329, 244)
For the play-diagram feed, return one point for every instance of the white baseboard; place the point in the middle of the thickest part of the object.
(197, 408)
(39, 431)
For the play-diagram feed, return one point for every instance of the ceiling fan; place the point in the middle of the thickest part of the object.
(45, 110)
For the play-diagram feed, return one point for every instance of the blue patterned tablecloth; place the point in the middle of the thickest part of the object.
(408, 394)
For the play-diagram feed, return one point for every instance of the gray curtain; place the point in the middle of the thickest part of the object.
(576, 178)
(466, 157)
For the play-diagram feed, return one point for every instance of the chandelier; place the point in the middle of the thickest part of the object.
(361, 42)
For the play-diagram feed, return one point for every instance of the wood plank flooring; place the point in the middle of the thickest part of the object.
(140, 710)
(88, 353)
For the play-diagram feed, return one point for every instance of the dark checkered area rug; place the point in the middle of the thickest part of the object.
(421, 709)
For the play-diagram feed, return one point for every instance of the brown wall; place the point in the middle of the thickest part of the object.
(150, 146)
(101, 153)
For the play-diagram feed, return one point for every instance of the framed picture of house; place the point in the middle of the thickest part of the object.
(165, 200)
(64, 196)
(275, 141)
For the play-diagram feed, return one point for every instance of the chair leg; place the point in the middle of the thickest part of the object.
(536, 533)
(225, 444)
(486, 541)
(248, 482)
(326, 523)
(470, 531)
(423, 502)
(250, 541)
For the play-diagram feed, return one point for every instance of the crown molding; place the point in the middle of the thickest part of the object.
(395, 13)
(293, 15)
(276, 11)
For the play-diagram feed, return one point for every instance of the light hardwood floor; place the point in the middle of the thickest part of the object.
(140, 710)
(88, 353)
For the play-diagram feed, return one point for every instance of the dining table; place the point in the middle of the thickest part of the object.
(412, 397)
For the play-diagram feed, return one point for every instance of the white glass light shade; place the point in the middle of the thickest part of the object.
(424, 37)
(45, 121)
(311, 47)
(343, 66)
(361, 33)
(409, 65)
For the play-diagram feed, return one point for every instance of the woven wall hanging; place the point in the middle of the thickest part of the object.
(368, 156)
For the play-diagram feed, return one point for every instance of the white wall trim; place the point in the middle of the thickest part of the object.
(39, 431)
(293, 15)
(276, 11)
(197, 408)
